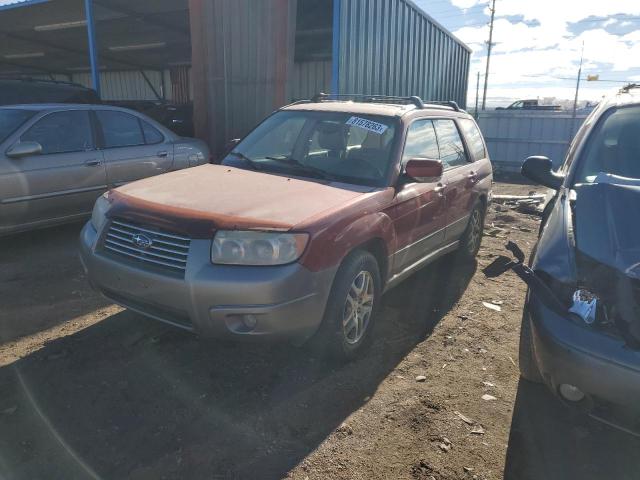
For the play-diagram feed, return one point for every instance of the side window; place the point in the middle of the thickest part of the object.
(151, 133)
(474, 138)
(421, 141)
(62, 132)
(451, 148)
(120, 129)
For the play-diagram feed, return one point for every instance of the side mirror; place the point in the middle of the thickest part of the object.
(24, 149)
(540, 170)
(423, 170)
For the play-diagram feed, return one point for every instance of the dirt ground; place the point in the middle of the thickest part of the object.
(88, 390)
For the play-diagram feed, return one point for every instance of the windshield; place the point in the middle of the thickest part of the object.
(613, 147)
(11, 119)
(327, 145)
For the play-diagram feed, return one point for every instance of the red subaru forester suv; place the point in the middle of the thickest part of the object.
(310, 218)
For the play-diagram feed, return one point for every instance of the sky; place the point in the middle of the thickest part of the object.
(538, 44)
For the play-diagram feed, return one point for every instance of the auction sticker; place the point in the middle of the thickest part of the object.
(370, 125)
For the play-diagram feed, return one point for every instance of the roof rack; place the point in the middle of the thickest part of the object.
(629, 86)
(446, 103)
(417, 101)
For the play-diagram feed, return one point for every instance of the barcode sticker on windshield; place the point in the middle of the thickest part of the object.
(375, 127)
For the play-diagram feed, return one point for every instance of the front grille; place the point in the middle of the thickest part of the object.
(147, 245)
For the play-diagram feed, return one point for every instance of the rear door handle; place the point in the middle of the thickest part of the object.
(93, 162)
(163, 153)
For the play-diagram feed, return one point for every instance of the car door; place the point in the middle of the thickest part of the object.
(132, 147)
(458, 178)
(418, 210)
(61, 182)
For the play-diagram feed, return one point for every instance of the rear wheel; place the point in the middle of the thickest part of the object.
(472, 236)
(528, 367)
(351, 308)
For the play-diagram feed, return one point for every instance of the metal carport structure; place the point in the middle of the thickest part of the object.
(141, 41)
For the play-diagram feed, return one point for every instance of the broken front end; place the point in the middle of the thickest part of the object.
(583, 303)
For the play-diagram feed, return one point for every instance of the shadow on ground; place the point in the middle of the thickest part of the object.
(42, 283)
(128, 397)
(549, 440)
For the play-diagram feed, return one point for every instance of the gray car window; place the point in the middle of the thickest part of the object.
(474, 138)
(120, 129)
(11, 120)
(62, 132)
(151, 134)
(451, 148)
(421, 141)
(613, 146)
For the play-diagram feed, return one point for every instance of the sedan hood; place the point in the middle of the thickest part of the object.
(210, 197)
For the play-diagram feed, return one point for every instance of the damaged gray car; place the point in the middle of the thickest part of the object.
(581, 323)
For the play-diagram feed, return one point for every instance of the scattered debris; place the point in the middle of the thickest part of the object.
(467, 469)
(445, 445)
(512, 361)
(9, 411)
(497, 302)
(488, 384)
(345, 429)
(421, 378)
(477, 430)
(464, 418)
(491, 306)
(517, 198)
(488, 398)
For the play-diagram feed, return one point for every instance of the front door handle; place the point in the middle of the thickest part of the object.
(94, 162)
(439, 189)
(163, 153)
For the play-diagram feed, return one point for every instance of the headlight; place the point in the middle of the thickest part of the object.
(257, 248)
(98, 216)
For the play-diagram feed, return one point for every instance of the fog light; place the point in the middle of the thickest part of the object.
(571, 392)
(250, 321)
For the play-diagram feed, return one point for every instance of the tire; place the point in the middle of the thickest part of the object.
(528, 367)
(336, 340)
(472, 236)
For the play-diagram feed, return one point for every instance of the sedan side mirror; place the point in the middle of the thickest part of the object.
(24, 149)
(423, 170)
(540, 170)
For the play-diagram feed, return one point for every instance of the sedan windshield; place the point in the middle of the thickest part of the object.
(613, 147)
(11, 119)
(326, 145)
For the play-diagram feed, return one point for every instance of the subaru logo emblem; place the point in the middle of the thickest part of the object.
(141, 241)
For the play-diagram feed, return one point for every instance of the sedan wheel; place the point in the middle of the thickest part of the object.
(358, 307)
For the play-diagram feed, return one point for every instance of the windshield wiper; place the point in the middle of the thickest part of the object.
(297, 164)
(255, 165)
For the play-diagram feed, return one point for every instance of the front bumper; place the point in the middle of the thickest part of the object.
(287, 301)
(599, 365)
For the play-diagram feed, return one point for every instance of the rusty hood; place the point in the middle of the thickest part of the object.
(202, 199)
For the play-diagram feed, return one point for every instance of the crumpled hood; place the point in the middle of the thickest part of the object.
(607, 236)
(216, 196)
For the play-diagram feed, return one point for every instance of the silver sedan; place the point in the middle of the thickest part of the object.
(55, 160)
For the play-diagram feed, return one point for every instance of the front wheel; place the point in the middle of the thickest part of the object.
(351, 308)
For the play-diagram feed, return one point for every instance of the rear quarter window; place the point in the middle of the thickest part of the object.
(474, 139)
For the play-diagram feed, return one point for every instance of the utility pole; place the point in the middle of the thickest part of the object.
(575, 100)
(489, 46)
(477, 94)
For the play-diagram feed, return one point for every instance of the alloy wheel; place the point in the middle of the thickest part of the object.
(358, 307)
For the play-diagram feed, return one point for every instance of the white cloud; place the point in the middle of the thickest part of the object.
(527, 59)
